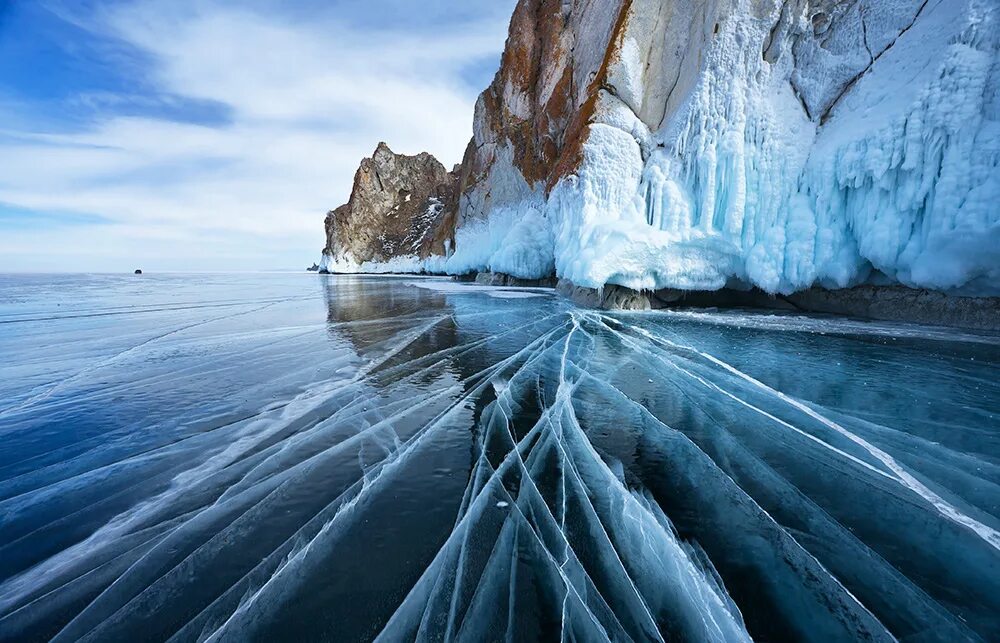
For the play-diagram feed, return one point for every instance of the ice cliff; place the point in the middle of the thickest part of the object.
(699, 144)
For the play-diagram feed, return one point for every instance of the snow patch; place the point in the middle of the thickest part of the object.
(515, 240)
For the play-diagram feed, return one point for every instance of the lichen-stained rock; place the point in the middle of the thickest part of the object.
(396, 208)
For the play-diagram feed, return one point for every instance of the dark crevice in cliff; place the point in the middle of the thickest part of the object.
(847, 88)
(802, 101)
(864, 38)
(770, 51)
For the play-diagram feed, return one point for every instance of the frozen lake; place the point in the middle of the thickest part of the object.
(289, 457)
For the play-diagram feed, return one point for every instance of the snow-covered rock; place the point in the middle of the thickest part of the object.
(700, 144)
(794, 160)
(775, 144)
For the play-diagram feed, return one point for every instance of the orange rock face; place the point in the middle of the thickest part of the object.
(533, 116)
(528, 132)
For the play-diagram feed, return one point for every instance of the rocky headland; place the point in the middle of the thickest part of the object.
(802, 154)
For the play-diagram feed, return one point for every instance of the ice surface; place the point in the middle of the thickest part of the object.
(470, 288)
(292, 457)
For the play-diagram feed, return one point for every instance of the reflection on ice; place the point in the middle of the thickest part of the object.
(449, 462)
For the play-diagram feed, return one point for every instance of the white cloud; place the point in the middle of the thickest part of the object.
(307, 98)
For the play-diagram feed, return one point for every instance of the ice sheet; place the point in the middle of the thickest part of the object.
(282, 457)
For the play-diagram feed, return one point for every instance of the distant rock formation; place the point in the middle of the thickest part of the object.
(395, 212)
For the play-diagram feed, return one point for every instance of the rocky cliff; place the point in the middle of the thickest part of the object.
(395, 212)
(702, 144)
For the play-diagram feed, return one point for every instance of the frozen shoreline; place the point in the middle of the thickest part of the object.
(881, 302)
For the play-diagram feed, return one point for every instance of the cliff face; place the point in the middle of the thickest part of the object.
(396, 209)
(531, 113)
(696, 144)
(699, 144)
(528, 130)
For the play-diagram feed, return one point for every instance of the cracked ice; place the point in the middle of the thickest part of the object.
(399, 459)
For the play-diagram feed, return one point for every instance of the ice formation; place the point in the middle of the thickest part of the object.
(899, 175)
(778, 144)
(516, 241)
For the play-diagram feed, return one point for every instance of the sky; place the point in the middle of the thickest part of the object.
(216, 134)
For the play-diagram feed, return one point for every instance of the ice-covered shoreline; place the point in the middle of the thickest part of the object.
(843, 155)
(867, 301)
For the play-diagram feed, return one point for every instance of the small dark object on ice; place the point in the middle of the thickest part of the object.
(313, 268)
(138, 272)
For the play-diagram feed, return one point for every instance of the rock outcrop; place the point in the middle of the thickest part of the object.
(696, 145)
(396, 209)
(776, 144)
(529, 123)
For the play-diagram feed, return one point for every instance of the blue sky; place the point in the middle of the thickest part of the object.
(215, 134)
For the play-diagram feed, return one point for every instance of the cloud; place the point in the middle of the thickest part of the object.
(245, 125)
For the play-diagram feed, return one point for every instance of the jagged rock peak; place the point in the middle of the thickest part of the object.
(396, 208)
